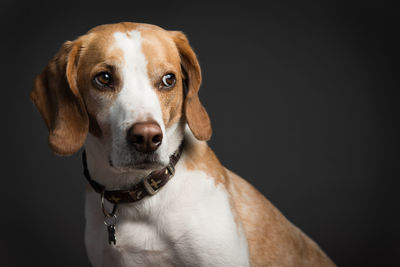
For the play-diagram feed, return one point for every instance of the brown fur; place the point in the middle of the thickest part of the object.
(201, 157)
(60, 103)
(272, 239)
(196, 115)
(159, 48)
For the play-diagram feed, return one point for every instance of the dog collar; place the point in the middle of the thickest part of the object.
(148, 186)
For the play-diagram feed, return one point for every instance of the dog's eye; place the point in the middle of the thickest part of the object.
(168, 80)
(103, 79)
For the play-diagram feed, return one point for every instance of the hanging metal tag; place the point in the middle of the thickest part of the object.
(110, 223)
(110, 219)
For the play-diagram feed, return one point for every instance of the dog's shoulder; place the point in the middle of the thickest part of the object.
(272, 239)
(270, 235)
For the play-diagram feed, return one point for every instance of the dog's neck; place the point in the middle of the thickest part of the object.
(101, 171)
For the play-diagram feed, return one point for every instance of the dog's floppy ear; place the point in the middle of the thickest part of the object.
(196, 115)
(58, 100)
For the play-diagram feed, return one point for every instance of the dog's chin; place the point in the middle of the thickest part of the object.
(137, 166)
(147, 165)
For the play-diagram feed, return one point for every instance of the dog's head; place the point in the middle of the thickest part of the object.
(131, 86)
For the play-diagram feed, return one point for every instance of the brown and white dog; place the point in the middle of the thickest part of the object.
(127, 92)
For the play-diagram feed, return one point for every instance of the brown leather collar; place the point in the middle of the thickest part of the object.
(149, 185)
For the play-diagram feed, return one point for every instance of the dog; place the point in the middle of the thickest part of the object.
(128, 94)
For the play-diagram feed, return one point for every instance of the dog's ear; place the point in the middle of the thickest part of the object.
(58, 100)
(196, 115)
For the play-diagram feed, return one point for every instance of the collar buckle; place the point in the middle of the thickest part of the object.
(149, 189)
(171, 170)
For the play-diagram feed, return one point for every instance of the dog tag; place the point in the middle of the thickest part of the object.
(111, 234)
(110, 222)
(110, 219)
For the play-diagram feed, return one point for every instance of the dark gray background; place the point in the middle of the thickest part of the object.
(304, 104)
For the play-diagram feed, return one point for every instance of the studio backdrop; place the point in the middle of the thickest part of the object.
(303, 99)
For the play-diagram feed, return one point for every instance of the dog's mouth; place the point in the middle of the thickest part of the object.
(146, 163)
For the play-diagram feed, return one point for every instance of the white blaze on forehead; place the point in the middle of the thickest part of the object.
(137, 100)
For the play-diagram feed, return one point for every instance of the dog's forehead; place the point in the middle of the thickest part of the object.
(114, 41)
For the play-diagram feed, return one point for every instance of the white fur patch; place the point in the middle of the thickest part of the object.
(188, 223)
(136, 102)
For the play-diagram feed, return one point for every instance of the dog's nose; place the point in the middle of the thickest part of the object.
(146, 137)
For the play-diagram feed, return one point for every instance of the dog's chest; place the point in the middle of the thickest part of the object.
(188, 223)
